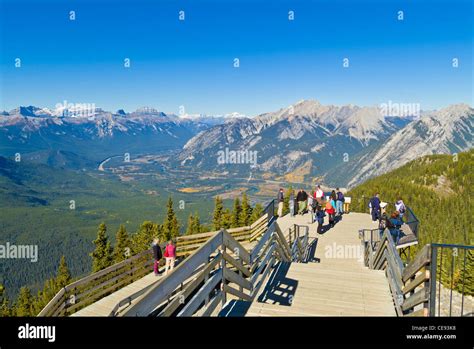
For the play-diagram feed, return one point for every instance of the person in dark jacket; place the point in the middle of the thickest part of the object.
(319, 216)
(157, 255)
(396, 224)
(339, 202)
(301, 198)
(375, 207)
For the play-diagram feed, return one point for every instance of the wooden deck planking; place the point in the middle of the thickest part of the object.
(104, 306)
(329, 286)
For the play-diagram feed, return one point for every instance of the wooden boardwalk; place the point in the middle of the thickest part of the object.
(326, 285)
(334, 283)
(104, 306)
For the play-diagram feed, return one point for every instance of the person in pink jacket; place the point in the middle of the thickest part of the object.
(170, 256)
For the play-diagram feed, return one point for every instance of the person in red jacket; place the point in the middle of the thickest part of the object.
(170, 256)
(331, 211)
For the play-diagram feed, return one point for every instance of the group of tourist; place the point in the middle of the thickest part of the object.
(318, 207)
(315, 204)
(170, 256)
(392, 222)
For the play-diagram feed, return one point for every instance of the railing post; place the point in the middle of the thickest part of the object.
(223, 248)
(206, 277)
(432, 281)
(289, 236)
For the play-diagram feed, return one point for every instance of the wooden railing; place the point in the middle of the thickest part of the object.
(90, 289)
(409, 284)
(208, 259)
(85, 291)
(298, 236)
(187, 244)
(219, 268)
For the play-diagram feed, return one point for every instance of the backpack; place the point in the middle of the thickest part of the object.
(340, 196)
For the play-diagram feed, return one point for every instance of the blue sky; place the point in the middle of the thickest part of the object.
(190, 62)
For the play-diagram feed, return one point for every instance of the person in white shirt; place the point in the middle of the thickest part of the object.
(400, 207)
(319, 195)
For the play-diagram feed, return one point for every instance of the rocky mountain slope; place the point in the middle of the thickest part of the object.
(97, 134)
(447, 131)
(304, 134)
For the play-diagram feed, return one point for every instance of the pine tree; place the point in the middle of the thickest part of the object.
(236, 211)
(170, 225)
(246, 212)
(24, 303)
(102, 255)
(4, 303)
(218, 213)
(257, 212)
(141, 241)
(197, 227)
(286, 201)
(466, 279)
(226, 219)
(122, 245)
(190, 227)
(45, 295)
(63, 277)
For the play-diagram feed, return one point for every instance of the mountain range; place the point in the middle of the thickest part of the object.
(334, 145)
(98, 135)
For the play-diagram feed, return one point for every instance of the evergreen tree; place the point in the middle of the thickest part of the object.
(45, 295)
(226, 219)
(170, 225)
(257, 212)
(24, 303)
(190, 228)
(63, 277)
(218, 213)
(197, 227)
(141, 240)
(4, 303)
(246, 211)
(286, 201)
(102, 255)
(466, 279)
(122, 245)
(236, 211)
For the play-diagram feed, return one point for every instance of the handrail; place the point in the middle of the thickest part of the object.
(229, 269)
(93, 287)
(410, 285)
(417, 288)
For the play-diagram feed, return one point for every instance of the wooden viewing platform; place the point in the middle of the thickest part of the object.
(329, 284)
(322, 286)
(274, 267)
